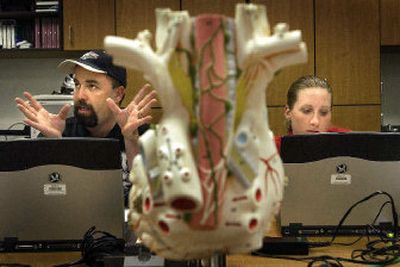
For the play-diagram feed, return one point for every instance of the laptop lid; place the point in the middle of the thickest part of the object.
(53, 190)
(330, 172)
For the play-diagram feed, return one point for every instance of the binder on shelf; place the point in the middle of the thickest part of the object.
(8, 36)
(1, 35)
(44, 33)
(54, 32)
(37, 31)
(1, 39)
(58, 45)
(38, 37)
(12, 35)
(49, 33)
(7, 28)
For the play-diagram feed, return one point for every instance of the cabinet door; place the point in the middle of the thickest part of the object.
(299, 17)
(132, 17)
(224, 7)
(390, 22)
(86, 23)
(277, 121)
(357, 117)
(348, 49)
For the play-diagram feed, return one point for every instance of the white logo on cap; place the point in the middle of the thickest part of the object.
(90, 55)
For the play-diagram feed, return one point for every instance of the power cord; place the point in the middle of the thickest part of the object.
(23, 131)
(371, 226)
(393, 208)
(95, 246)
(383, 251)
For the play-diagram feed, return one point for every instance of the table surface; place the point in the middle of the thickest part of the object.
(44, 259)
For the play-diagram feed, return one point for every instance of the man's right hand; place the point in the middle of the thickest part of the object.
(50, 125)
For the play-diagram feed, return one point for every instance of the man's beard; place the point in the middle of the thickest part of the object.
(90, 120)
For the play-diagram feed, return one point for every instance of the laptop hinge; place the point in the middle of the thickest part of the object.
(291, 229)
(9, 244)
(295, 226)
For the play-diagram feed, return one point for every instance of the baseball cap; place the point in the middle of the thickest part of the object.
(96, 61)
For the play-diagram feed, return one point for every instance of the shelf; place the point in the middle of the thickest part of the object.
(39, 53)
(22, 21)
(390, 49)
(17, 14)
(27, 15)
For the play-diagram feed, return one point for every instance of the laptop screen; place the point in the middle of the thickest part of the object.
(328, 173)
(375, 146)
(86, 153)
(53, 190)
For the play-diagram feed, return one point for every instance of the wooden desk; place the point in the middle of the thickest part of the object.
(50, 259)
(40, 259)
(338, 251)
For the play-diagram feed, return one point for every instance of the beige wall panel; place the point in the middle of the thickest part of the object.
(348, 49)
(156, 113)
(275, 117)
(357, 118)
(299, 15)
(132, 17)
(196, 7)
(390, 22)
(277, 120)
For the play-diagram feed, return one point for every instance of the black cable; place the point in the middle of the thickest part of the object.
(379, 251)
(9, 128)
(383, 251)
(368, 226)
(394, 213)
(95, 246)
(14, 124)
(327, 260)
(344, 217)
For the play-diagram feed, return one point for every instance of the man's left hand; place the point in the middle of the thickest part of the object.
(136, 114)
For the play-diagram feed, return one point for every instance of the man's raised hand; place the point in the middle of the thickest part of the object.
(36, 116)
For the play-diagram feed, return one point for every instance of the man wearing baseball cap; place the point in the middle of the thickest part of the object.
(99, 89)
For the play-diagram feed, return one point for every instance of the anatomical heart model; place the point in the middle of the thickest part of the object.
(208, 178)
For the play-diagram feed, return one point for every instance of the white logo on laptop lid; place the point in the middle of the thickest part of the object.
(341, 177)
(341, 168)
(55, 188)
(54, 177)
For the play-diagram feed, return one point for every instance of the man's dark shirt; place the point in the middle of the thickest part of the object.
(75, 129)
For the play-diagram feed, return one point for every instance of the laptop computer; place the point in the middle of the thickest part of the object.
(53, 190)
(328, 173)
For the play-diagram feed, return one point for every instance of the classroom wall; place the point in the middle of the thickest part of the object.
(36, 75)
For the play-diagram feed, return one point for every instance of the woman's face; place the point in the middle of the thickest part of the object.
(312, 111)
